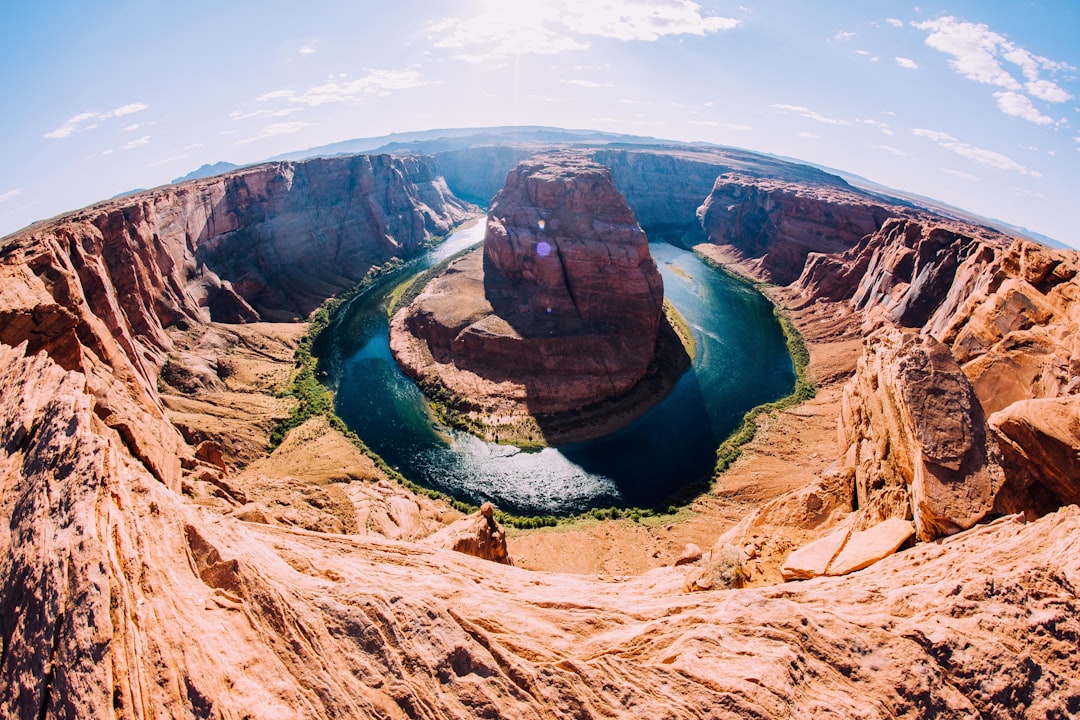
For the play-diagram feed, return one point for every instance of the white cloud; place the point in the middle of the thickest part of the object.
(986, 158)
(843, 35)
(907, 63)
(883, 127)
(376, 82)
(89, 120)
(586, 83)
(307, 50)
(75, 124)
(276, 129)
(959, 174)
(238, 115)
(550, 26)
(167, 160)
(977, 54)
(139, 142)
(1017, 105)
(895, 22)
(808, 135)
(133, 127)
(974, 49)
(9, 194)
(889, 149)
(808, 113)
(275, 95)
(1047, 90)
(129, 109)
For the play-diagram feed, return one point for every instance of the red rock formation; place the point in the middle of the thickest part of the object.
(911, 421)
(779, 223)
(565, 312)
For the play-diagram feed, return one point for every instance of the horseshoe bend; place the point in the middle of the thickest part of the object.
(904, 543)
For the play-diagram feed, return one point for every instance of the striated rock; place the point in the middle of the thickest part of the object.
(778, 223)
(911, 420)
(478, 535)
(813, 560)
(563, 314)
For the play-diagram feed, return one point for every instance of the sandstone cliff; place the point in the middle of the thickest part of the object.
(562, 313)
(135, 580)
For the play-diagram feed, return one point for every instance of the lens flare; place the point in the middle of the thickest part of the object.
(542, 248)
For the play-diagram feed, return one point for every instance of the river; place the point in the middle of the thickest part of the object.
(741, 361)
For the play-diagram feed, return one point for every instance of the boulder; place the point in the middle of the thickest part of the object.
(910, 420)
(865, 547)
(1040, 446)
(813, 560)
(477, 534)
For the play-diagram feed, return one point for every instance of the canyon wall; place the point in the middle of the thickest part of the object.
(121, 597)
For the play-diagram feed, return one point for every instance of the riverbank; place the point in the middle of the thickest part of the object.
(789, 450)
(504, 408)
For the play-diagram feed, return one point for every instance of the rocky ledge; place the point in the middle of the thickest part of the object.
(554, 332)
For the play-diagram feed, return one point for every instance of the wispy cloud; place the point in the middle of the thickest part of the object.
(907, 63)
(959, 174)
(587, 83)
(10, 194)
(977, 54)
(307, 50)
(276, 129)
(808, 135)
(880, 126)
(281, 112)
(986, 158)
(808, 113)
(1017, 105)
(139, 142)
(374, 82)
(556, 26)
(275, 95)
(88, 120)
(889, 149)
(843, 35)
(168, 160)
(895, 22)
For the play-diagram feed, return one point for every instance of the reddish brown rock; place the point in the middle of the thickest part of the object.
(1040, 444)
(563, 314)
(478, 535)
(911, 420)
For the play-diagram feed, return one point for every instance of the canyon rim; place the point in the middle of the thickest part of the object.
(158, 561)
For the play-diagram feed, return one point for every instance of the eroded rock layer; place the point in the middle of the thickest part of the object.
(143, 575)
(561, 312)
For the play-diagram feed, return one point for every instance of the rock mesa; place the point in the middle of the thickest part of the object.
(563, 310)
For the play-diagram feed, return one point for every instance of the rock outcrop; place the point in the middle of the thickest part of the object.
(562, 313)
(478, 535)
(912, 422)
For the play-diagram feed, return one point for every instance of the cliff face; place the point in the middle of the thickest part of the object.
(124, 594)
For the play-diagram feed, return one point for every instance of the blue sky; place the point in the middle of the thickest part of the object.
(973, 103)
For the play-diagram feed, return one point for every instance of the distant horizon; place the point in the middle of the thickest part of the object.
(973, 106)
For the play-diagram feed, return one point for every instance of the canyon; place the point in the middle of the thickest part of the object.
(158, 560)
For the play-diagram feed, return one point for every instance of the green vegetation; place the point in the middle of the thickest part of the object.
(682, 328)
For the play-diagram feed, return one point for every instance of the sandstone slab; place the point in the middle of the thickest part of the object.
(865, 547)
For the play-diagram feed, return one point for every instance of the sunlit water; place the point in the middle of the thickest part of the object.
(741, 362)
